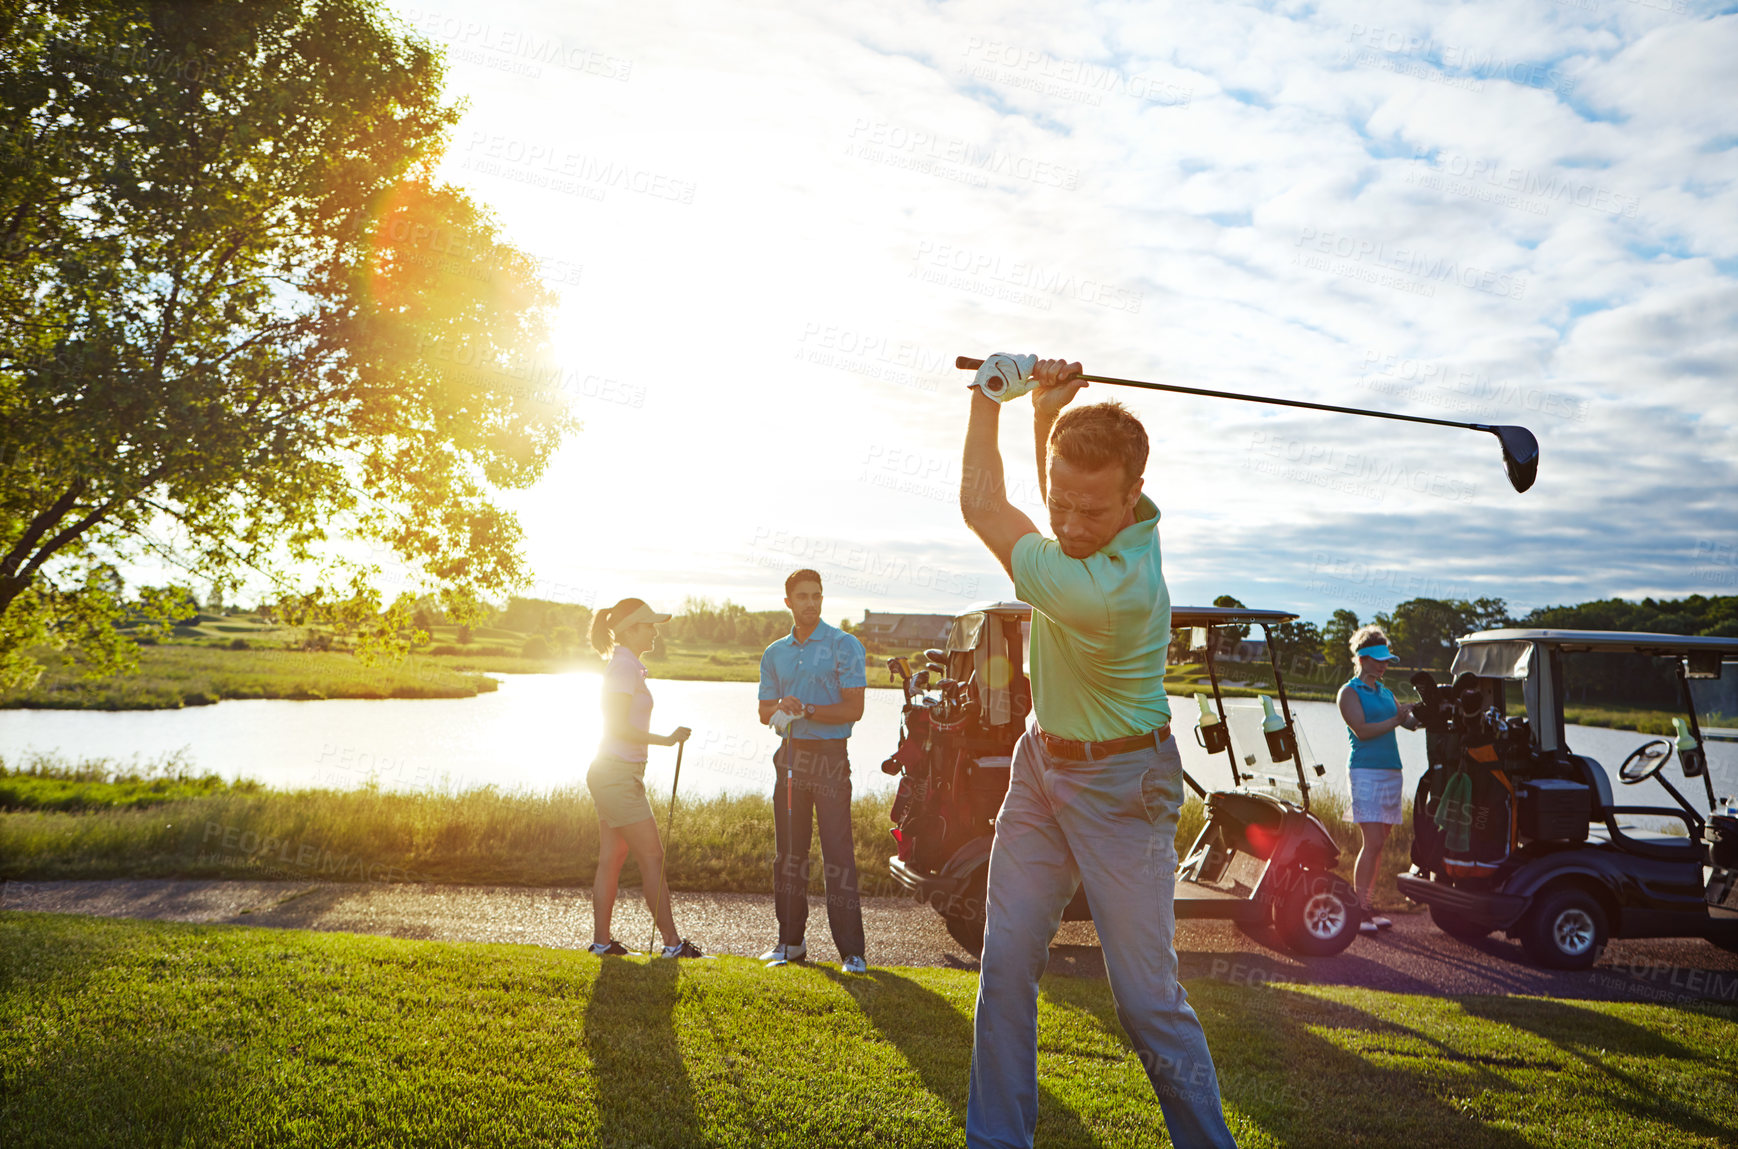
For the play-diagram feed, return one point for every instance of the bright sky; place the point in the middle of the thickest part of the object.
(774, 225)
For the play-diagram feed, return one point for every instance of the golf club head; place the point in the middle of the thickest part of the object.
(1520, 454)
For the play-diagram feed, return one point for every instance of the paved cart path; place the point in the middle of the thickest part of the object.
(1413, 957)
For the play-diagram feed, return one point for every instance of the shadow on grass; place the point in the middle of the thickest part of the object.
(1587, 1035)
(1300, 1088)
(936, 1041)
(643, 1095)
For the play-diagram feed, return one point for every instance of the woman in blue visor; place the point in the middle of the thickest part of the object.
(1372, 714)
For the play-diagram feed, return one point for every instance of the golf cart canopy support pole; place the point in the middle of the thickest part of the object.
(1520, 448)
(1219, 705)
(1303, 784)
(1696, 731)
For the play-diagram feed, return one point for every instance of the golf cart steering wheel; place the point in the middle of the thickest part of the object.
(1645, 761)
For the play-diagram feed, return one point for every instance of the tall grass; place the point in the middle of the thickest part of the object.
(49, 782)
(101, 821)
(173, 675)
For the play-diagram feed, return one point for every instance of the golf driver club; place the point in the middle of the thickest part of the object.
(669, 825)
(1520, 448)
(789, 817)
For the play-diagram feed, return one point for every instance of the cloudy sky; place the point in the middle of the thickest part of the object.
(774, 225)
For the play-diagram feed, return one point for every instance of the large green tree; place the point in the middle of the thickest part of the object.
(1298, 646)
(1336, 633)
(1422, 631)
(242, 320)
(1227, 637)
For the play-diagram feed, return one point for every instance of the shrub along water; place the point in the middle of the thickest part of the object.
(98, 820)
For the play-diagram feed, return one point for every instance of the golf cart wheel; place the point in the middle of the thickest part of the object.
(1457, 927)
(1566, 931)
(965, 918)
(1318, 916)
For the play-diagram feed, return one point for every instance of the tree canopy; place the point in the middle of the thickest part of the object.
(1697, 614)
(244, 321)
(1422, 630)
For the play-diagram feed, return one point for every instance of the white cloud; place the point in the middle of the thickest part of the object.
(1498, 213)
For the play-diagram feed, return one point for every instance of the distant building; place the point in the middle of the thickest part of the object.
(905, 631)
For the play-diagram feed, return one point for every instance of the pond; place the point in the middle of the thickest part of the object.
(538, 732)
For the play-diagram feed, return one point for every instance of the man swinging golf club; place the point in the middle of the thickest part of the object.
(1096, 779)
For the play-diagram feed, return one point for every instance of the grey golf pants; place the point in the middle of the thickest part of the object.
(1111, 825)
(814, 786)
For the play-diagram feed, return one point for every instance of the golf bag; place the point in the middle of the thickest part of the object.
(956, 736)
(1463, 815)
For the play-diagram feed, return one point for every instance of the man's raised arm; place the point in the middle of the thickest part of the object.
(1058, 383)
(983, 493)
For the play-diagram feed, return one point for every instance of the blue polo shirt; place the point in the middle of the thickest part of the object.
(814, 672)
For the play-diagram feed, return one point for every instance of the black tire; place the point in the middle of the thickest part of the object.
(1566, 929)
(964, 916)
(1457, 927)
(1317, 916)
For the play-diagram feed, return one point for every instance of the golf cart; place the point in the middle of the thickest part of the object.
(1261, 860)
(1514, 831)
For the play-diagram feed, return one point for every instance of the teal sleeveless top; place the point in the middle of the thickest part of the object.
(1382, 752)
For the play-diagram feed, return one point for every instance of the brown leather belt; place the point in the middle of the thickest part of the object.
(1092, 751)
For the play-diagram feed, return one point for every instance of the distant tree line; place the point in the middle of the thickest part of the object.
(730, 624)
(1422, 630)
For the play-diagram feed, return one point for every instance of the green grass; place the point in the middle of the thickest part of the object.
(1636, 718)
(144, 1034)
(198, 667)
(48, 782)
(194, 673)
(713, 662)
(102, 820)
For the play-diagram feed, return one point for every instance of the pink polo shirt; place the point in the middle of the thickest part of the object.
(626, 674)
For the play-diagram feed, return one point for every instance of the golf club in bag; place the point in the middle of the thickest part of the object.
(1009, 376)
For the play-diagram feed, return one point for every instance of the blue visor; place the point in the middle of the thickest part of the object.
(1379, 653)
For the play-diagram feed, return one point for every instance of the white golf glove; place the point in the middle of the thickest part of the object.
(781, 721)
(1004, 376)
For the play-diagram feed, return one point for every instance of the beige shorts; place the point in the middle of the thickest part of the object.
(618, 790)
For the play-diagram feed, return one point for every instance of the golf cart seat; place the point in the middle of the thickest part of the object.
(1646, 843)
(1592, 775)
(1259, 816)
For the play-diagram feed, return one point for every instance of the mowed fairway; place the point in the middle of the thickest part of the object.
(148, 1033)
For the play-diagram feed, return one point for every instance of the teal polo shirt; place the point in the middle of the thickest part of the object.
(1101, 626)
(813, 672)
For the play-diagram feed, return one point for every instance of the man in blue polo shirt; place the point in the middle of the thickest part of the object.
(1096, 778)
(811, 690)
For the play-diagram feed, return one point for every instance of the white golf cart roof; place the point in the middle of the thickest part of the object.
(1621, 641)
(1508, 653)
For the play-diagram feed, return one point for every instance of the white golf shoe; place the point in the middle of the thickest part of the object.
(782, 954)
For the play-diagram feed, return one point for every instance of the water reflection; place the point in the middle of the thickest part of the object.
(538, 732)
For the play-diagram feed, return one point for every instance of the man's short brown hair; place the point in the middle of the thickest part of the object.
(801, 576)
(1099, 436)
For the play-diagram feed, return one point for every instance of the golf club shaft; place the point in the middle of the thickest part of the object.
(670, 819)
(669, 824)
(967, 364)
